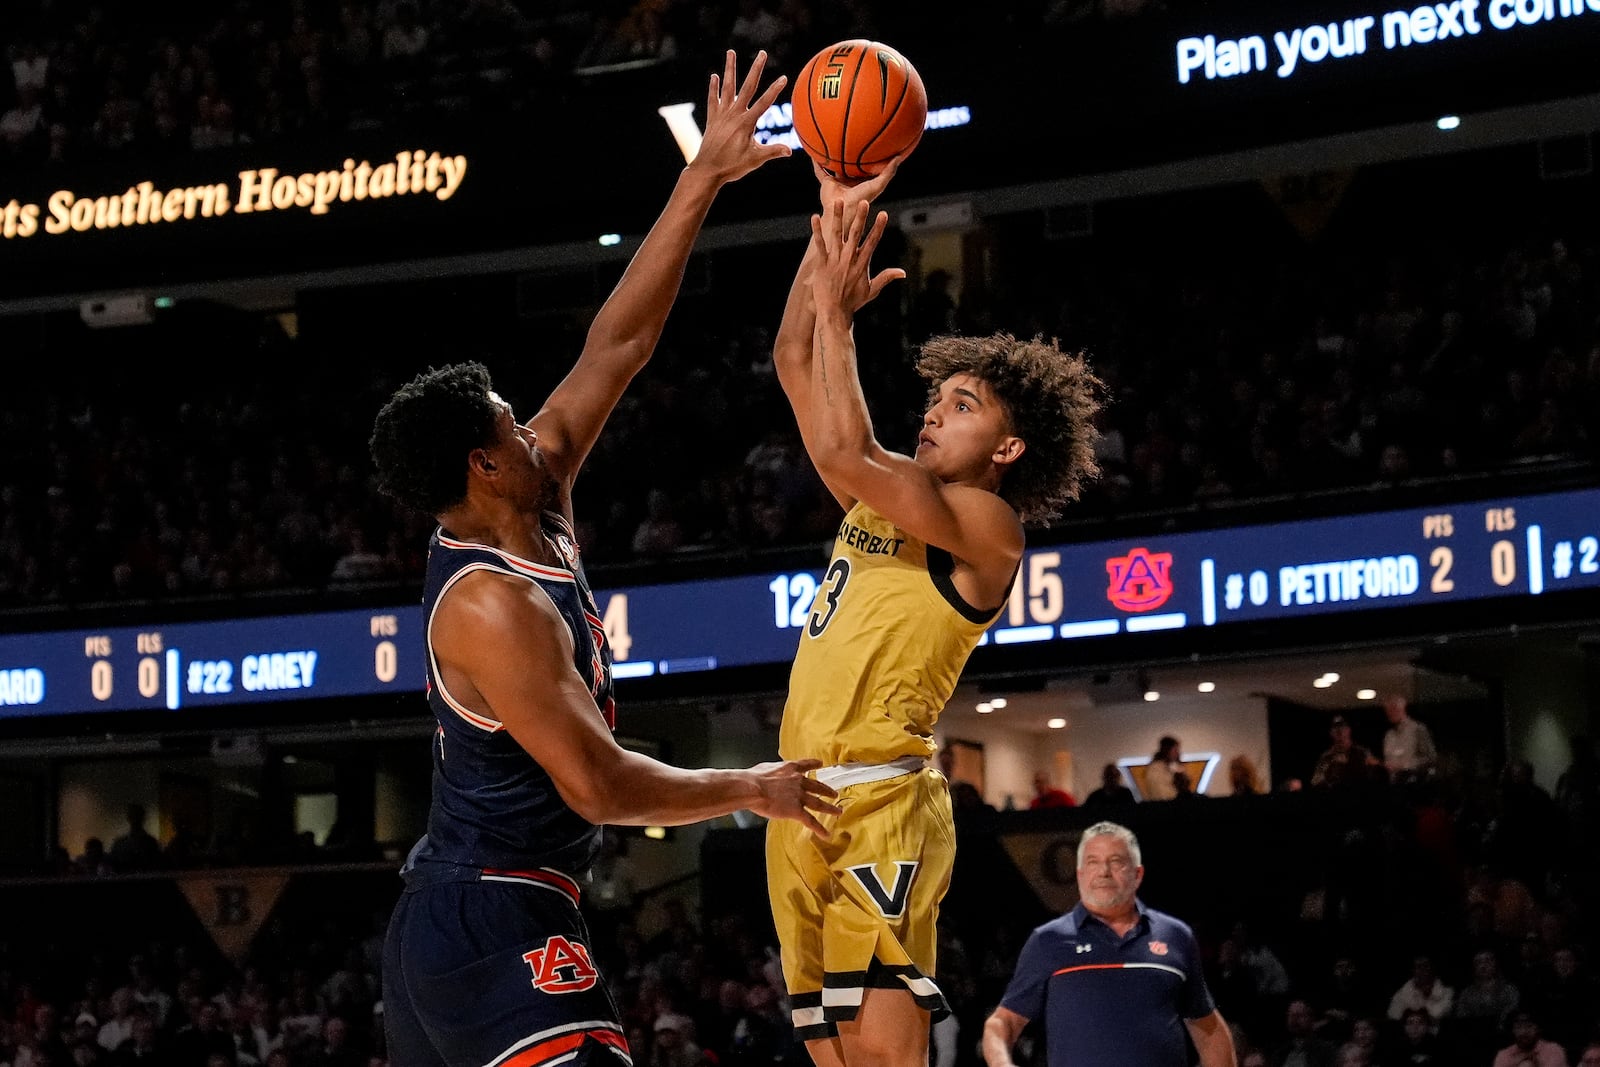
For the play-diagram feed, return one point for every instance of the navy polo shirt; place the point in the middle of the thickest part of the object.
(1109, 1001)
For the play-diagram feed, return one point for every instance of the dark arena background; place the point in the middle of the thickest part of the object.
(1338, 265)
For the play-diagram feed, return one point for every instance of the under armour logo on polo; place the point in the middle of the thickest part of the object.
(1083, 948)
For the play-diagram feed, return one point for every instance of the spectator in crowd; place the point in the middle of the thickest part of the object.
(22, 124)
(203, 1036)
(148, 1047)
(1301, 1047)
(337, 1047)
(1528, 1047)
(251, 1042)
(674, 1042)
(1160, 781)
(1344, 763)
(1422, 990)
(118, 1028)
(1566, 1000)
(1408, 752)
(1419, 1040)
(135, 849)
(1046, 794)
(1485, 1004)
(1577, 792)
(1366, 1036)
(93, 861)
(1346, 997)
(756, 27)
(1523, 831)
(1112, 793)
(659, 532)
(1233, 986)
(1243, 778)
(1271, 977)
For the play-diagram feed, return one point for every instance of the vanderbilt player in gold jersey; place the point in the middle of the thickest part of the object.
(924, 559)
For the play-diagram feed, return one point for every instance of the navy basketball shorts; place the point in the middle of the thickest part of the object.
(496, 972)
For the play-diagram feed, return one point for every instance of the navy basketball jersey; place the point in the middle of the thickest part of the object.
(494, 808)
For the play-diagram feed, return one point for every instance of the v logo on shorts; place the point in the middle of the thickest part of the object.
(890, 901)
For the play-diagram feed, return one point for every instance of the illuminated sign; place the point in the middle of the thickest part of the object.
(776, 125)
(1512, 547)
(257, 190)
(1208, 57)
(1199, 766)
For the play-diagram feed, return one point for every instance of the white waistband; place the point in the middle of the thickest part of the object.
(856, 773)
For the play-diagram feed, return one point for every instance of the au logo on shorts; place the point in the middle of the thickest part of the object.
(891, 900)
(562, 966)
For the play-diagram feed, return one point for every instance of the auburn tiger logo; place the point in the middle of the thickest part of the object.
(562, 966)
(1140, 581)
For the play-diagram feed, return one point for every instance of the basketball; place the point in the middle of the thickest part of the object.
(858, 104)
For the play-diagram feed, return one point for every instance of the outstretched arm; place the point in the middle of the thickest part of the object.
(1213, 1041)
(625, 331)
(506, 657)
(792, 347)
(970, 523)
(1000, 1033)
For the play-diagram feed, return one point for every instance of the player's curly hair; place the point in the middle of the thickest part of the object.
(423, 434)
(1051, 397)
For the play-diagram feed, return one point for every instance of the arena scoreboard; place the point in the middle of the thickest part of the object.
(1384, 561)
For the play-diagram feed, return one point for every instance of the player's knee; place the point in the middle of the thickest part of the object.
(883, 1048)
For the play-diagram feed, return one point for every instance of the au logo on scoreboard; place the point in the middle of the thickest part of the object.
(1140, 581)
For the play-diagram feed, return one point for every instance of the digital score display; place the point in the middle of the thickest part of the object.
(1513, 547)
(202, 664)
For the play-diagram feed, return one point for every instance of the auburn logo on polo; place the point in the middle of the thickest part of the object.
(1140, 581)
(562, 966)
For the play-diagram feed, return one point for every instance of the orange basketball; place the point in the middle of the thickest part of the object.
(858, 104)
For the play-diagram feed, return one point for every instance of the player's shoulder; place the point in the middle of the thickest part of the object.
(487, 600)
(1168, 926)
(983, 502)
(990, 514)
(1063, 925)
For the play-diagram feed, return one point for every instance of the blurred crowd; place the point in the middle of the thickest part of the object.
(1264, 374)
(1432, 921)
(92, 78)
(1244, 361)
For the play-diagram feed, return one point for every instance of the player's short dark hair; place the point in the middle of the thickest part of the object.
(1051, 398)
(422, 435)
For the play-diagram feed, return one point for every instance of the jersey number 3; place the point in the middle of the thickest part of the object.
(828, 593)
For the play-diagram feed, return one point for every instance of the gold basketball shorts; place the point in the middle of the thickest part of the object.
(861, 909)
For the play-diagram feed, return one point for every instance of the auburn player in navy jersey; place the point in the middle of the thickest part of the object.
(925, 557)
(487, 961)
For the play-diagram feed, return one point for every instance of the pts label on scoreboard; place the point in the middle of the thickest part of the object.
(233, 661)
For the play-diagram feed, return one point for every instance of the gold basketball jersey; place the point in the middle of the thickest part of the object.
(882, 650)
